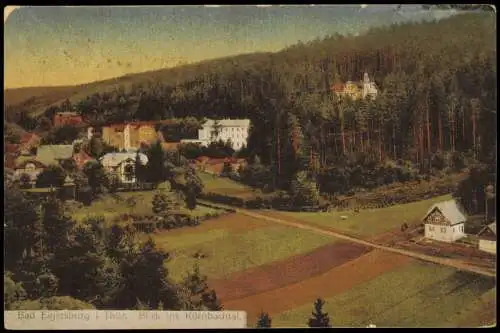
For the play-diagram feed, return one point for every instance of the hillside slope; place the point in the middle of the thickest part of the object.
(36, 99)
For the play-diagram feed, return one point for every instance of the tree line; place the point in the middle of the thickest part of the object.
(437, 97)
(54, 262)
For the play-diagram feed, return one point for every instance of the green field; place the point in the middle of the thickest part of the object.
(226, 186)
(370, 222)
(231, 250)
(111, 206)
(416, 295)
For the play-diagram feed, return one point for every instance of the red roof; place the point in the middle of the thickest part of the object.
(29, 137)
(339, 87)
(81, 158)
(11, 148)
(10, 161)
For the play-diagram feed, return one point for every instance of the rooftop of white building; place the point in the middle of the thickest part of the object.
(228, 122)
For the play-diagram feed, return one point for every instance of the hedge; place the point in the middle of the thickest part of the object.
(279, 201)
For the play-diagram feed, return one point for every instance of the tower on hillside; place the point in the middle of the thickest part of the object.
(366, 78)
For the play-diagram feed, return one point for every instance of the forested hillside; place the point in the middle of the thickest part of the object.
(438, 94)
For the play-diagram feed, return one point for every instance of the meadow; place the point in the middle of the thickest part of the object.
(416, 295)
(112, 205)
(233, 243)
(368, 222)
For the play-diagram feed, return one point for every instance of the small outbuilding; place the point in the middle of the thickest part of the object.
(488, 238)
(445, 222)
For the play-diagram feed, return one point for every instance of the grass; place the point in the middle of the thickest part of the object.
(226, 186)
(370, 222)
(111, 206)
(416, 295)
(231, 250)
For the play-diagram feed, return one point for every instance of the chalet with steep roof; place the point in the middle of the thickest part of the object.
(122, 165)
(445, 222)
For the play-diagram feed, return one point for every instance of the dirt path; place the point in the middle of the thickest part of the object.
(441, 261)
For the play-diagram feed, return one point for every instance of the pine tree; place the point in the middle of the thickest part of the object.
(194, 186)
(195, 293)
(319, 319)
(264, 321)
(304, 191)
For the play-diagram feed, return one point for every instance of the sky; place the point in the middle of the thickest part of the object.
(62, 45)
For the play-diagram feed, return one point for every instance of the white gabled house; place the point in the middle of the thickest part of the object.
(488, 238)
(122, 165)
(445, 222)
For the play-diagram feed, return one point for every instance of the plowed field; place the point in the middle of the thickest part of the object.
(334, 281)
(292, 270)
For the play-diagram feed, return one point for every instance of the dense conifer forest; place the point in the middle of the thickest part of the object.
(437, 100)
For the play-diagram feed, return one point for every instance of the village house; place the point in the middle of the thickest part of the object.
(488, 238)
(129, 136)
(445, 222)
(28, 142)
(234, 130)
(67, 118)
(122, 165)
(81, 158)
(357, 90)
(54, 154)
(30, 168)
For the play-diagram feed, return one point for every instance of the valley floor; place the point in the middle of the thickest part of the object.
(255, 264)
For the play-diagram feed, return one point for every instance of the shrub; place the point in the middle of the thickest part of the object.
(53, 303)
(223, 199)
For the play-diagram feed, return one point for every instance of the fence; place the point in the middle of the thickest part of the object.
(137, 187)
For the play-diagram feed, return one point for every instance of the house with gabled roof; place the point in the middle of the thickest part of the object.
(488, 238)
(122, 165)
(29, 141)
(28, 167)
(54, 154)
(445, 221)
(356, 90)
(81, 158)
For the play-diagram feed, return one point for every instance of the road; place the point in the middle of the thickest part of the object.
(437, 260)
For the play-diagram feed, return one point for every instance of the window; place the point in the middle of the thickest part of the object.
(30, 167)
(129, 172)
(443, 230)
(431, 228)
